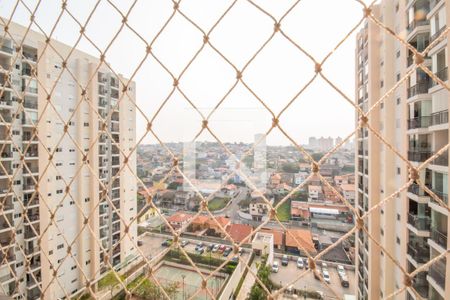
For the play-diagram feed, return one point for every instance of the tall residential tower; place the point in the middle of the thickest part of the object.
(414, 119)
(68, 178)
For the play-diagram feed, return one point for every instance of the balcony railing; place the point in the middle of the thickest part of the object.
(419, 222)
(439, 237)
(6, 49)
(437, 34)
(416, 23)
(443, 196)
(419, 155)
(440, 117)
(419, 122)
(441, 160)
(417, 190)
(433, 3)
(418, 89)
(442, 75)
(437, 272)
(419, 253)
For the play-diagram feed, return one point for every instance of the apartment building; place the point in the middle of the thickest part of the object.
(65, 142)
(414, 119)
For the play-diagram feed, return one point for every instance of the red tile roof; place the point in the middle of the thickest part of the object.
(277, 235)
(302, 237)
(239, 232)
(179, 217)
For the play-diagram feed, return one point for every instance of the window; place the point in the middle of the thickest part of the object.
(398, 240)
(88, 262)
(87, 199)
(398, 101)
(73, 267)
(399, 171)
(60, 246)
(59, 191)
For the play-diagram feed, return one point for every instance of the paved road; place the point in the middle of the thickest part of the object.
(232, 209)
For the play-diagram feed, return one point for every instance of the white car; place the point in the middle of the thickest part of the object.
(341, 270)
(215, 248)
(324, 266)
(326, 276)
(300, 263)
(275, 267)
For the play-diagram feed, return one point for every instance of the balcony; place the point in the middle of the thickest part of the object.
(419, 122)
(416, 23)
(419, 155)
(419, 253)
(437, 34)
(440, 117)
(441, 160)
(437, 273)
(421, 223)
(6, 49)
(433, 3)
(420, 88)
(442, 75)
(417, 190)
(443, 196)
(439, 237)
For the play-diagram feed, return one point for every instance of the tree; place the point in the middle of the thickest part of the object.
(150, 291)
(290, 168)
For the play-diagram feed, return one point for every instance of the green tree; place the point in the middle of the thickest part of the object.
(290, 168)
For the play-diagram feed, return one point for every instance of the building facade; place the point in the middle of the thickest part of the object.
(414, 119)
(65, 203)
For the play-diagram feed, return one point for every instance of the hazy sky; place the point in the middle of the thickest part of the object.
(276, 75)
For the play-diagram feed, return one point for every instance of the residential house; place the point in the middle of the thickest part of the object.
(179, 219)
(239, 232)
(299, 241)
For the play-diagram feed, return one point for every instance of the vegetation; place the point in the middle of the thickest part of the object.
(109, 279)
(147, 289)
(290, 167)
(173, 185)
(217, 203)
(245, 203)
(207, 260)
(284, 211)
(257, 291)
(348, 169)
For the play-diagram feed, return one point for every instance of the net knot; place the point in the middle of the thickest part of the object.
(363, 121)
(175, 82)
(315, 167)
(407, 280)
(311, 263)
(238, 74)
(176, 5)
(205, 124)
(367, 11)
(276, 27)
(175, 162)
(124, 20)
(205, 39)
(149, 126)
(413, 174)
(360, 223)
(318, 68)
(418, 59)
(275, 122)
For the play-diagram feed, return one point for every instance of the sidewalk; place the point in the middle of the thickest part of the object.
(248, 281)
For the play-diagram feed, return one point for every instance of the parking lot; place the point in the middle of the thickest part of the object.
(288, 273)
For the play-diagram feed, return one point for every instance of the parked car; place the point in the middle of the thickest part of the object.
(221, 248)
(344, 281)
(305, 262)
(166, 243)
(227, 251)
(210, 247)
(275, 267)
(240, 250)
(184, 243)
(324, 266)
(201, 250)
(300, 263)
(341, 270)
(284, 260)
(199, 245)
(215, 248)
(326, 276)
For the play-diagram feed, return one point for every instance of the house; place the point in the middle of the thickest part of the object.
(278, 237)
(165, 198)
(209, 225)
(330, 195)
(348, 191)
(179, 219)
(300, 177)
(263, 244)
(298, 241)
(299, 210)
(275, 179)
(229, 190)
(344, 179)
(258, 208)
(185, 200)
(282, 189)
(314, 192)
(239, 232)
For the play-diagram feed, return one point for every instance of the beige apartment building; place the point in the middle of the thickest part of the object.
(35, 249)
(412, 227)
